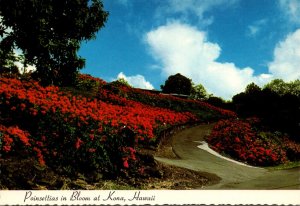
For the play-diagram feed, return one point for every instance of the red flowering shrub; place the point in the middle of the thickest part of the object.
(292, 149)
(241, 141)
(68, 130)
(17, 141)
(203, 110)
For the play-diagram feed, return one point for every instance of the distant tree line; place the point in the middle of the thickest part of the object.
(277, 104)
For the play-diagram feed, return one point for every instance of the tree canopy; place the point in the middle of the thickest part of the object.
(277, 104)
(283, 88)
(177, 84)
(49, 33)
(198, 92)
(123, 81)
(252, 89)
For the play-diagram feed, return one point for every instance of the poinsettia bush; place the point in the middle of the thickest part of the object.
(204, 111)
(117, 92)
(245, 142)
(62, 129)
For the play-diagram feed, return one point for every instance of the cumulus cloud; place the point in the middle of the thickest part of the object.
(137, 81)
(181, 48)
(286, 63)
(292, 9)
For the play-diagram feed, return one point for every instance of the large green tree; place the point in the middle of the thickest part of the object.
(177, 84)
(199, 92)
(49, 33)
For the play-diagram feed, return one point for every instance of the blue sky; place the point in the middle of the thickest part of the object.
(222, 44)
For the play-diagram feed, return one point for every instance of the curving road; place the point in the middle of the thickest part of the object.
(233, 175)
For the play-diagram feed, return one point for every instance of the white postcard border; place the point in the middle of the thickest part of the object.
(149, 197)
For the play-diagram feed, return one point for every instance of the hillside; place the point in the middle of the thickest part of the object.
(92, 128)
(99, 133)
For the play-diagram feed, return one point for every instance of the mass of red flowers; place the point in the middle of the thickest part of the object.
(13, 138)
(242, 141)
(164, 100)
(60, 127)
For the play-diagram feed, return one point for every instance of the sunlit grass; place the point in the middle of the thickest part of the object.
(285, 166)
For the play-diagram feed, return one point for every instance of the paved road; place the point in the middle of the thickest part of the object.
(233, 176)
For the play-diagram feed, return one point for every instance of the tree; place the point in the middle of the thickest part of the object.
(252, 89)
(49, 33)
(284, 88)
(7, 60)
(275, 105)
(248, 103)
(199, 92)
(216, 101)
(7, 57)
(177, 84)
(123, 81)
(295, 88)
(278, 86)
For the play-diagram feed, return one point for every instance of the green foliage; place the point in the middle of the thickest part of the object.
(219, 102)
(282, 88)
(252, 88)
(277, 104)
(49, 34)
(118, 86)
(7, 57)
(289, 165)
(295, 87)
(198, 92)
(278, 86)
(86, 84)
(177, 84)
(124, 82)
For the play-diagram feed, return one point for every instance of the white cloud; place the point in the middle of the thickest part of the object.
(286, 63)
(137, 81)
(185, 8)
(123, 2)
(291, 8)
(7, 30)
(181, 48)
(256, 27)
(20, 65)
(17, 52)
(28, 68)
(253, 30)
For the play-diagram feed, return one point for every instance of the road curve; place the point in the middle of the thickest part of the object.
(233, 175)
